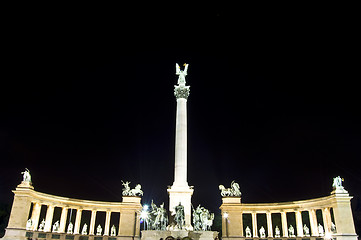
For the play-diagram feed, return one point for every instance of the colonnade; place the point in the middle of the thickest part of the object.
(312, 224)
(336, 220)
(49, 219)
(26, 215)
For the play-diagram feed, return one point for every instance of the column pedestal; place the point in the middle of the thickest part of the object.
(181, 195)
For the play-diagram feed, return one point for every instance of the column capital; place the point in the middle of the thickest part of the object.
(181, 92)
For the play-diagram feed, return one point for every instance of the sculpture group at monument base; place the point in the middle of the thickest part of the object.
(178, 234)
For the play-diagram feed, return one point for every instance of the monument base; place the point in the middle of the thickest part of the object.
(15, 234)
(178, 234)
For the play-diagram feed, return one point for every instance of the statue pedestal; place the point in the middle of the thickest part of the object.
(196, 235)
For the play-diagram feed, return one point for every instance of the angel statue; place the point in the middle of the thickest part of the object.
(182, 74)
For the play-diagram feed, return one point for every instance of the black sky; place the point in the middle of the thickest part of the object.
(88, 101)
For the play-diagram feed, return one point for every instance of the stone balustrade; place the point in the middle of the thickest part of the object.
(29, 203)
(325, 217)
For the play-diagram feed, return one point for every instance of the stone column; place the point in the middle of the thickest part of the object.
(299, 223)
(49, 218)
(92, 222)
(180, 173)
(313, 222)
(19, 212)
(269, 224)
(77, 221)
(35, 216)
(180, 192)
(254, 225)
(345, 226)
(107, 223)
(64, 214)
(284, 224)
(326, 216)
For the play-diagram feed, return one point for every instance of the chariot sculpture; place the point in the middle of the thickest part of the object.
(233, 191)
(137, 191)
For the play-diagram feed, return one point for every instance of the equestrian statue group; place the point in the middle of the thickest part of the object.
(157, 217)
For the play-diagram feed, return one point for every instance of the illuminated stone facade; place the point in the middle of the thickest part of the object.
(28, 204)
(336, 221)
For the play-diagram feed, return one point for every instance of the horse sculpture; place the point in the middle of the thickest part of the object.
(131, 192)
(202, 219)
(233, 191)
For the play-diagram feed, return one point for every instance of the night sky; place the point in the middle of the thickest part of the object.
(274, 104)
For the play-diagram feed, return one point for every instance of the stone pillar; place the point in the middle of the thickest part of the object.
(240, 217)
(129, 224)
(35, 216)
(232, 225)
(49, 218)
(284, 224)
(313, 222)
(92, 222)
(254, 225)
(345, 227)
(16, 228)
(180, 170)
(77, 221)
(269, 224)
(107, 223)
(180, 192)
(299, 223)
(326, 216)
(64, 214)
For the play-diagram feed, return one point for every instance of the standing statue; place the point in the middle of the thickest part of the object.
(202, 219)
(179, 216)
(159, 217)
(41, 226)
(291, 231)
(333, 227)
(182, 74)
(248, 232)
(131, 192)
(99, 230)
(277, 232)
(70, 228)
(306, 230)
(29, 224)
(26, 176)
(113, 231)
(233, 191)
(84, 230)
(321, 232)
(337, 183)
(262, 232)
(56, 226)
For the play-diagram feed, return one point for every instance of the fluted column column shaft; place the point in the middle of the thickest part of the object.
(35, 216)
(49, 218)
(254, 224)
(313, 222)
(77, 221)
(107, 223)
(180, 173)
(269, 224)
(92, 222)
(299, 223)
(64, 214)
(326, 219)
(284, 224)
